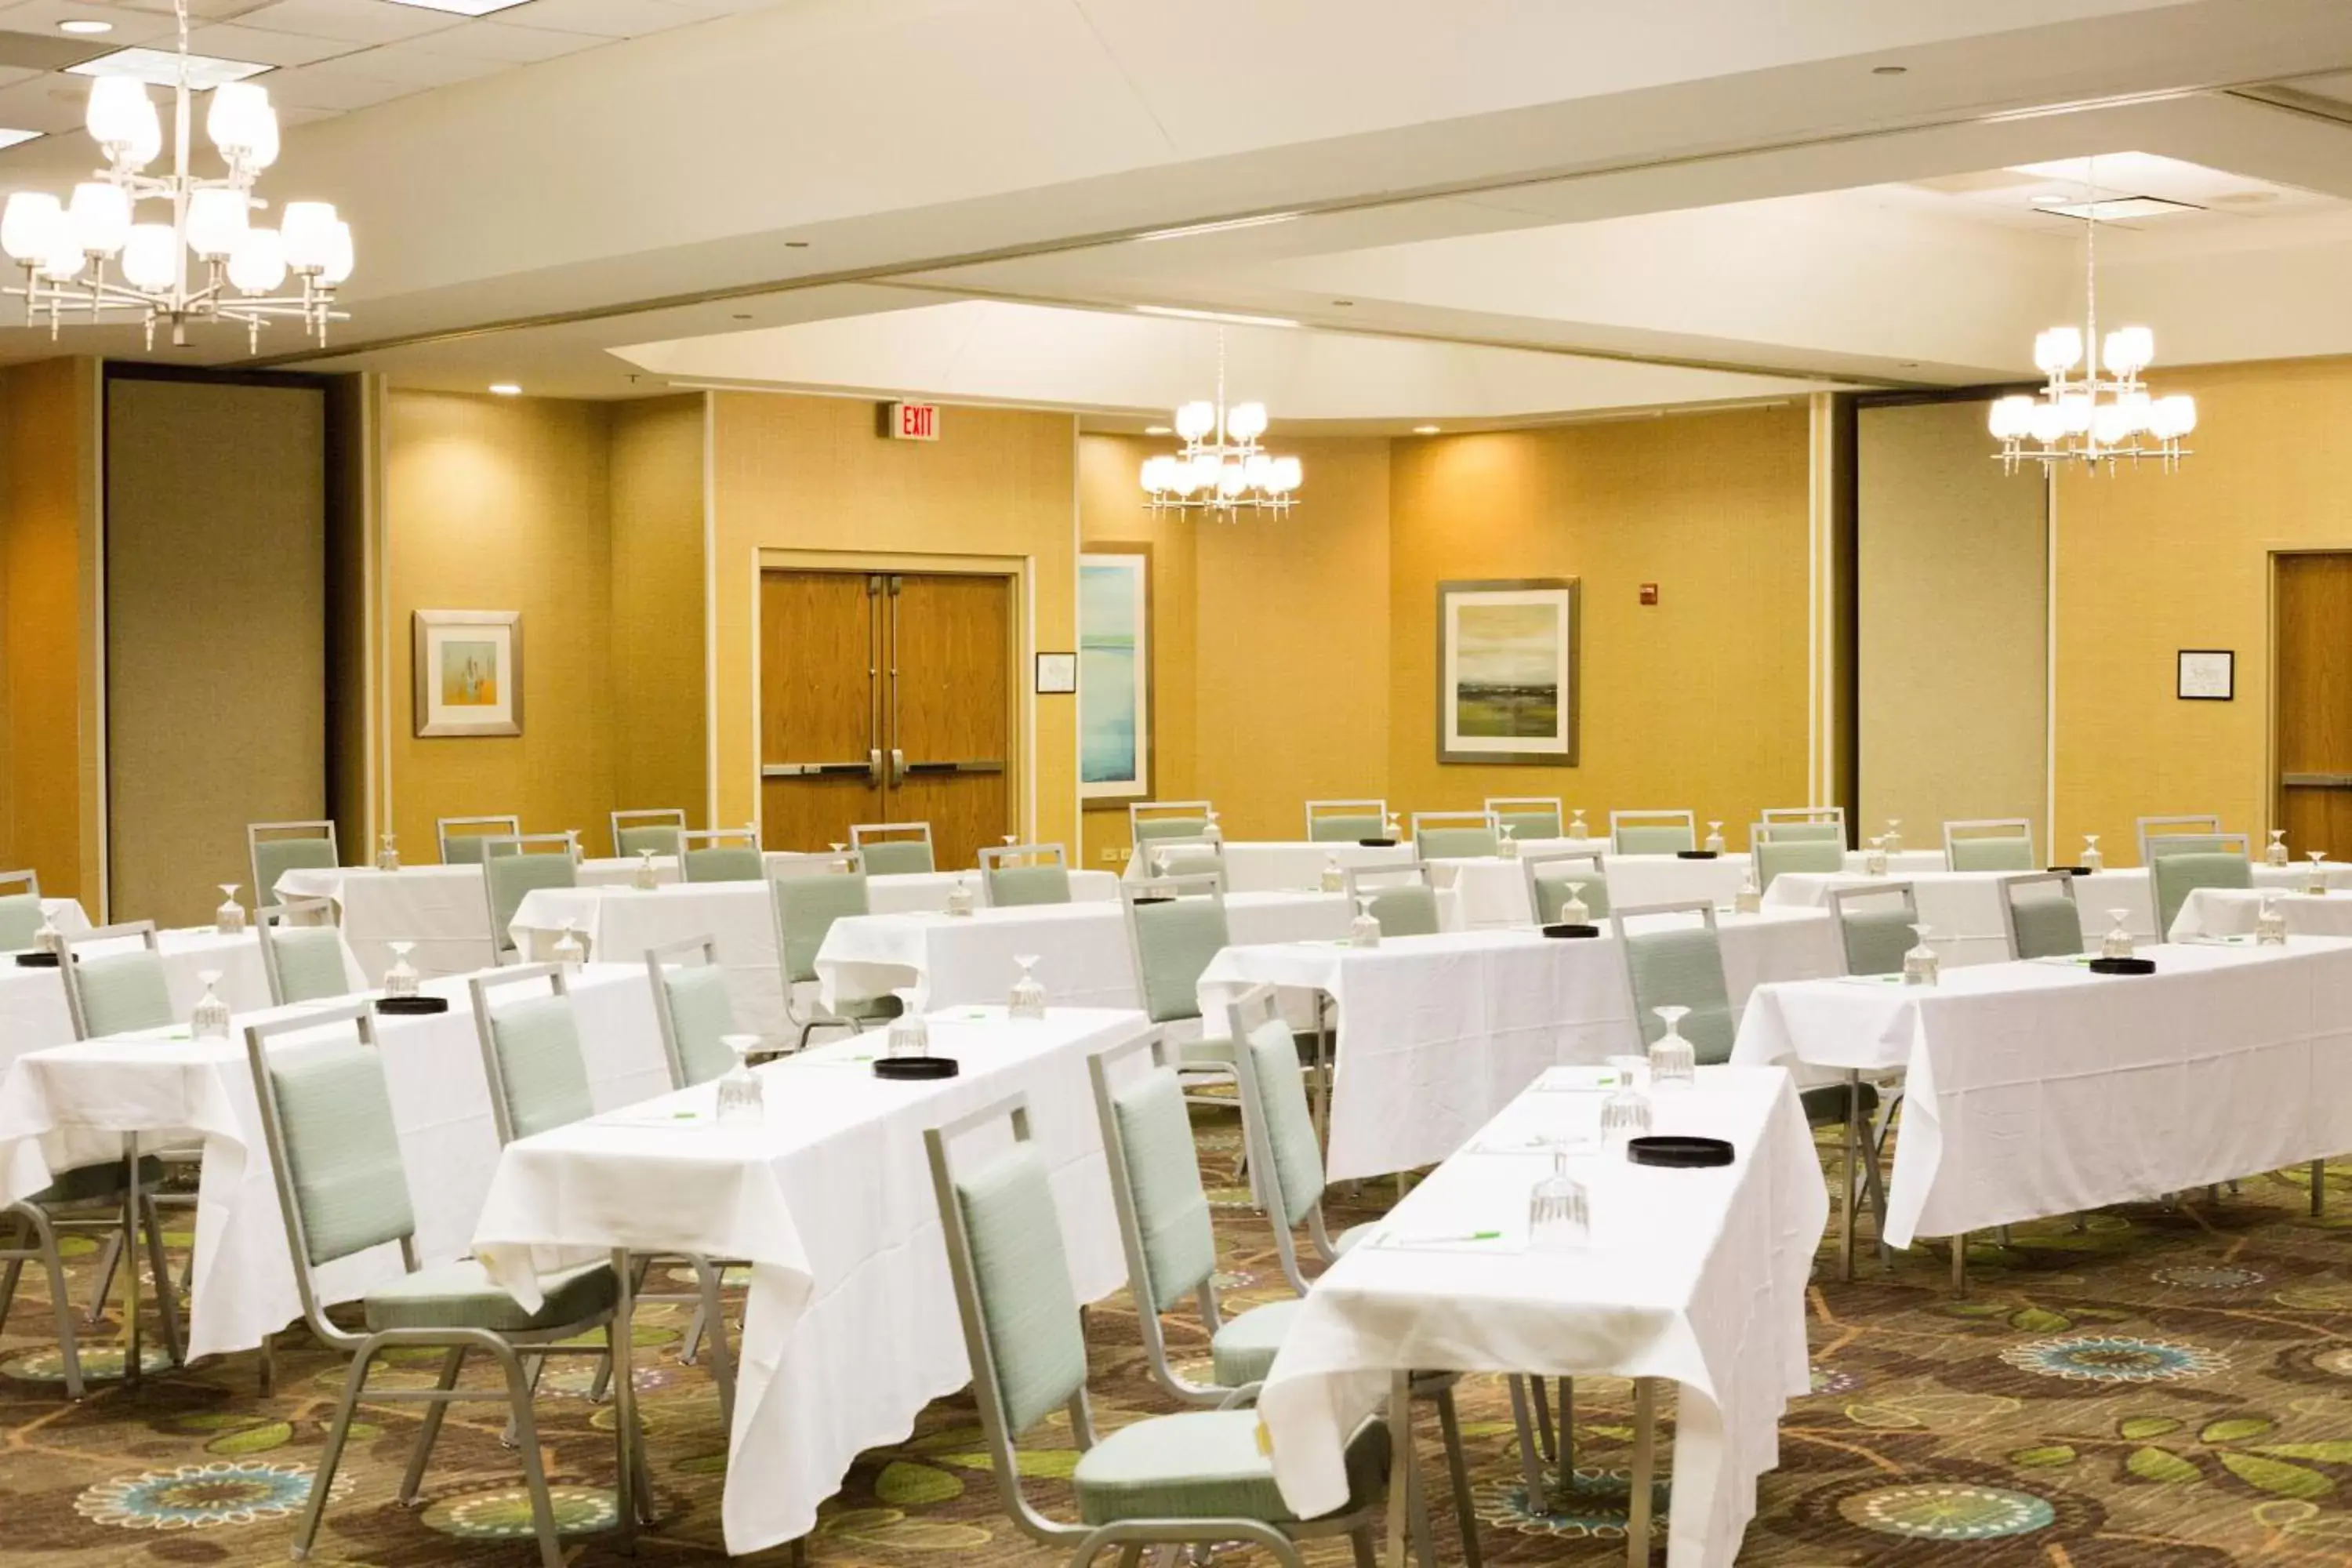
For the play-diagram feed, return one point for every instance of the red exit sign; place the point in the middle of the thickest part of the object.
(912, 421)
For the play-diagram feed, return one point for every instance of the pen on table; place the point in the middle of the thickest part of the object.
(1460, 1236)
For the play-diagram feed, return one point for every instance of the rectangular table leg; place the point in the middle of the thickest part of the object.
(1846, 1180)
(1637, 1502)
(130, 1220)
(1961, 1264)
(2318, 1187)
(1400, 1465)
(625, 1402)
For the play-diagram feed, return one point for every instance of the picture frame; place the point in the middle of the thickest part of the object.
(1114, 675)
(1508, 666)
(467, 673)
(2205, 675)
(1057, 674)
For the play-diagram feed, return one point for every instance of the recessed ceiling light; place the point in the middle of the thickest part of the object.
(506, 389)
(1157, 430)
(161, 67)
(12, 138)
(1219, 227)
(1425, 429)
(460, 7)
(85, 24)
(1227, 317)
(1888, 70)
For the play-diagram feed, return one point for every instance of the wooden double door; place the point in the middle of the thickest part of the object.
(2313, 606)
(885, 696)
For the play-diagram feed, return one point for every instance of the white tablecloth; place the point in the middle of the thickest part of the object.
(619, 923)
(850, 1328)
(2041, 1089)
(70, 1106)
(945, 961)
(1695, 1276)
(1670, 880)
(1437, 1033)
(33, 1013)
(1273, 866)
(2226, 911)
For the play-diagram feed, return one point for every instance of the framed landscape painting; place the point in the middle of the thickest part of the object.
(1506, 669)
(1114, 677)
(468, 672)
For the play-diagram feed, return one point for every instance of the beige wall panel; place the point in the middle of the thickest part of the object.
(216, 633)
(1954, 653)
(659, 757)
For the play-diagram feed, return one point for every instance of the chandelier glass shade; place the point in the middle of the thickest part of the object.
(1222, 467)
(195, 253)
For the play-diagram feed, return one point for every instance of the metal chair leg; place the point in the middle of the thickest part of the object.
(1961, 1264)
(713, 1311)
(1542, 1400)
(109, 1259)
(331, 1456)
(1637, 1504)
(1466, 1518)
(130, 1356)
(167, 1295)
(2318, 1187)
(534, 1474)
(1530, 1456)
(429, 1430)
(1367, 1553)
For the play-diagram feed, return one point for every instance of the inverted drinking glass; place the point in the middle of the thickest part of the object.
(2118, 942)
(1559, 1211)
(229, 918)
(210, 1020)
(740, 1098)
(401, 979)
(1921, 965)
(1673, 1063)
(1028, 999)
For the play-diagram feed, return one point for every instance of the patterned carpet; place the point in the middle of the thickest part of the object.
(2164, 1389)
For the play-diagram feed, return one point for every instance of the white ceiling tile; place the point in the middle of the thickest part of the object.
(47, 103)
(237, 42)
(362, 21)
(512, 46)
(131, 26)
(417, 63)
(201, 10)
(332, 87)
(612, 18)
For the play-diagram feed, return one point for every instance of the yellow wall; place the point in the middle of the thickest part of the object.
(2149, 564)
(1111, 514)
(811, 475)
(659, 759)
(504, 503)
(1698, 701)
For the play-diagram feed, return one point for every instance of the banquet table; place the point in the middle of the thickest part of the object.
(1695, 1276)
(1437, 1033)
(442, 910)
(2231, 911)
(1273, 866)
(937, 960)
(1671, 879)
(850, 1328)
(2039, 1088)
(73, 1105)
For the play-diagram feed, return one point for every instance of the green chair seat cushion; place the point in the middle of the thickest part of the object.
(1204, 1053)
(94, 1184)
(1204, 1464)
(1827, 1104)
(1406, 910)
(122, 992)
(2176, 876)
(1175, 942)
(701, 1015)
(1242, 1348)
(1552, 890)
(1777, 856)
(460, 1296)
(1876, 938)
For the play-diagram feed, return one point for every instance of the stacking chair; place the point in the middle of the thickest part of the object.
(1346, 821)
(805, 907)
(720, 855)
(334, 1148)
(538, 1081)
(635, 831)
(2174, 873)
(1403, 900)
(2197, 832)
(301, 952)
(20, 910)
(1148, 820)
(1174, 927)
(1456, 835)
(1992, 844)
(1774, 855)
(1791, 824)
(1013, 875)
(87, 1197)
(1201, 1477)
(1873, 940)
(1184, 858)
(464, 846)
(514, 866)
(274, 848)
(893, 849)
(119, 991)
(1548, 878)
(1652, 832)
(1527, 815)
(692, 1009)
(2038, 917)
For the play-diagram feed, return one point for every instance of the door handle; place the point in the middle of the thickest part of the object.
(981, 766)
(814, 770)
(874, 766)
(2316, 781)
(897, 764)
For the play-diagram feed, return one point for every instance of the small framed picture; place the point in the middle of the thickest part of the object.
(2207, 674)
(468, 672)
(1057, 674)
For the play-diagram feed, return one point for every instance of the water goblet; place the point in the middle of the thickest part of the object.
(401, 979)
(1335, 879)
(1894, 835)
(2275, 853)
(1873, 859)
(1922, 966)
(1575, 826)
(210, 1020)
(2315, 883)
(741, 1101)
(387, 858)
(1364, 930)
(1673, 1063)
(2092, 859)
(570, 953)
(1559, 1211)
(2270, 923)
(2118, 942)
(1027, 1002)
(229, 918)
(1714, 845)
(1573, 909)
(1506, 846)
(1625, 1114)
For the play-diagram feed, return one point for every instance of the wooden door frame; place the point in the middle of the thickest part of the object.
(1020, 719)
(2273, 796)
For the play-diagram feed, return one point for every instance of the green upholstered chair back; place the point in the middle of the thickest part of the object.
(1775, 855)
(20, 920)
(1652, 837)
(1406, 910)
(1184, 858)
(1011, 887)
(1020, 1286)
(2043, 919)
(2147, 829)
(701, 1016)
(660, 838)
(340, 1147)
(538, 1072)
(729, 863)
(1681, 968)
(1992, 853)
(893, 849)
(121, 992)
(1875, 925)
(276, 855)
(1174, 826)
(1528, 825)
(1279, 1092)
(2179, 875)
(1806, 833)
(1178, 1245)
(1456, 843)
(309, 961)
(465, 848)
(1548, 885)
(806, 908)
(1173, 940)
(512, 876)
(2165, 844)
(1347, 823)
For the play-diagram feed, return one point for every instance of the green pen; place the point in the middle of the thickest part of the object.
(1465, 1236)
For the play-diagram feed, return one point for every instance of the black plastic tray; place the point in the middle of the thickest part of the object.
(2123, 966)
(915, 1069)
(36, 960)
(411, 1005)
(1697, 854)
(1569, 929)
(1682, 1154)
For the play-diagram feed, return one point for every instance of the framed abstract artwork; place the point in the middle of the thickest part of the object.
(468, 672)
(2205, 675)
(1506, 671)
(1114, 676)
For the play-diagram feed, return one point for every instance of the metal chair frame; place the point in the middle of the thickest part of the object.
(849, 861)
(1533, 867)
(660, 816)
(1662, 817)
(495, 845)
(861, 834)
(999, 857)
(1981, 827)
(1442, 820)
(1501, 806)
(254, 832)
(691, 840)
(144, 930)
(306, 912)
(1836, 898)
(2063, 880)
(508, 826)
(1377, 809)
(1787, 816)
(2145, 828)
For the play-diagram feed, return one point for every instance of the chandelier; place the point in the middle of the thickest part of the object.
(202, 260)
(1222, 468)
(2105, 414)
